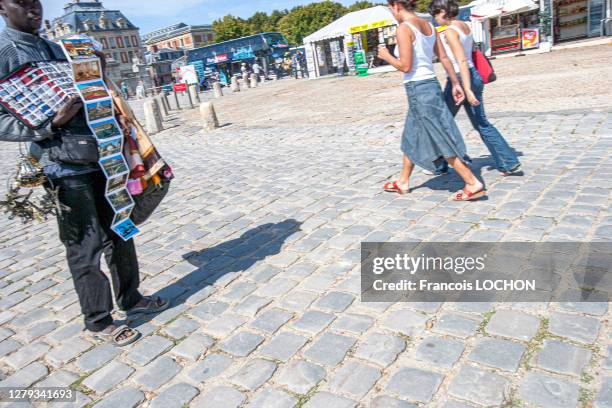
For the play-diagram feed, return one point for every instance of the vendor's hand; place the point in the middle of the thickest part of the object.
(458, 94)
(383, 53)
(471, 98)
(67, 112)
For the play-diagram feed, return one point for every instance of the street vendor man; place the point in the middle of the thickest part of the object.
(85, 218)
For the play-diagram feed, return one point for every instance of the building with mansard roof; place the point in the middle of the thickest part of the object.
(179, 36)
(120, 38)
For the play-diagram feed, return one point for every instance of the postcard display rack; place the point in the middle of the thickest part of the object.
(36, 91)
(572, 18)
(87, 72)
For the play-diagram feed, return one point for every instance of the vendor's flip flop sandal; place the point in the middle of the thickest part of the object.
(114, 336)
(394, 188)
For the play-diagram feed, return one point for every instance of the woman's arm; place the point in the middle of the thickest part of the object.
(454, 42)
(405, 38)
(458, 93)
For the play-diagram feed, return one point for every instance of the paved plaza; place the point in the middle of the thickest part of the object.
(258, 246)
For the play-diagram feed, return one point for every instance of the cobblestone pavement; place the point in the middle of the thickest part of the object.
(258, 247)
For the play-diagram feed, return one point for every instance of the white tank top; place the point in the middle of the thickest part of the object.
(467, 41)
(422, 55)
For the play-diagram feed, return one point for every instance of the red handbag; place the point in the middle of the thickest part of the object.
(483, 66)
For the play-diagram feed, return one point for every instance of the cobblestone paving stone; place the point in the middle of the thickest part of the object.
(258, 245)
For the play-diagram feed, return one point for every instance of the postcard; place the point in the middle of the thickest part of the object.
(106, 129)
(120, 199)
(126, 230)
(110, 147)
(93, 90)
(114, 166)
(79, 49)
(116, 183)
(87, 71)
(99, 110)
(122, 215)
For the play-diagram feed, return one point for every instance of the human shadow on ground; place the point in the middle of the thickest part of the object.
(214, 263)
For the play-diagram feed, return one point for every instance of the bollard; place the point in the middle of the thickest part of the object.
(193, 91)
(159, 100)
(176, 100)
(153, 117)
(235, 86)
(253, 80)
(217, 90)
(164, 98)
(189, 100)
(209, 116)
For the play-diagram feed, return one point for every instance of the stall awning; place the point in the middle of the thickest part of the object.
(361, 20)
(483, 9)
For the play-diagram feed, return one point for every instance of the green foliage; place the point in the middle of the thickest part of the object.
(360, 5)
(297, 23)
(230, 27)
(305, 20)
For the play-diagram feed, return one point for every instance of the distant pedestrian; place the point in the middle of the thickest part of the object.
(430, 134)
(257, 70)
(124, 90)
(140, 91)
(244, 69)
(458, 42)
(341, 58)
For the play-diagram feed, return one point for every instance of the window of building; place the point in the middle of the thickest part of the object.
(188, 41)
(120, 42)
(112, 42)
(126, 40)
(134, 41)
(197, 38)
(124, 57)
(104, 43)
(210, 37)
(131, 54)
(116, 56)
(182, 42)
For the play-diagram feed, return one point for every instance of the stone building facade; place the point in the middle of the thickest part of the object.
(179, 36)
(120, 39)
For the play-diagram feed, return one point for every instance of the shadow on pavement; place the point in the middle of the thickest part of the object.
(451, 182)
(231, 257)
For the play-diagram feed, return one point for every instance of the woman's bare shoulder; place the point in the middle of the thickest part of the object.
(463, 26)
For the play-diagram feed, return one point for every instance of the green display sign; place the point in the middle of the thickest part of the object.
(361, 65)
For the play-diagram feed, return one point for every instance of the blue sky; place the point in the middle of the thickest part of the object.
(151, 14)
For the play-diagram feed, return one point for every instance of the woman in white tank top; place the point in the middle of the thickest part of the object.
(458, 43)
(431, 135)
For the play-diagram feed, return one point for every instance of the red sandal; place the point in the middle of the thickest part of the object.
(466, 195)
(394, 188)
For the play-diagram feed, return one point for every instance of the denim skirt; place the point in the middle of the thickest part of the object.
(431, 133)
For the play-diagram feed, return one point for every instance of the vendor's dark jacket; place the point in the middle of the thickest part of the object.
(16, 49)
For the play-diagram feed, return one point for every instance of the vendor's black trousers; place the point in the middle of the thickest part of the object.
(85, 231)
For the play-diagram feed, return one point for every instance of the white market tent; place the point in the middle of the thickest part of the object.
(484, 9)
(341, 27)
(357, 21)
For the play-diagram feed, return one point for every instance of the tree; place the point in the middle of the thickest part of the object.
(258, 23)
(305, 20)
(230, 27)
(360, 5)
(275, 17)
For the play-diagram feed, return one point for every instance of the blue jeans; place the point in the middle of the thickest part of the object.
(504, 156)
